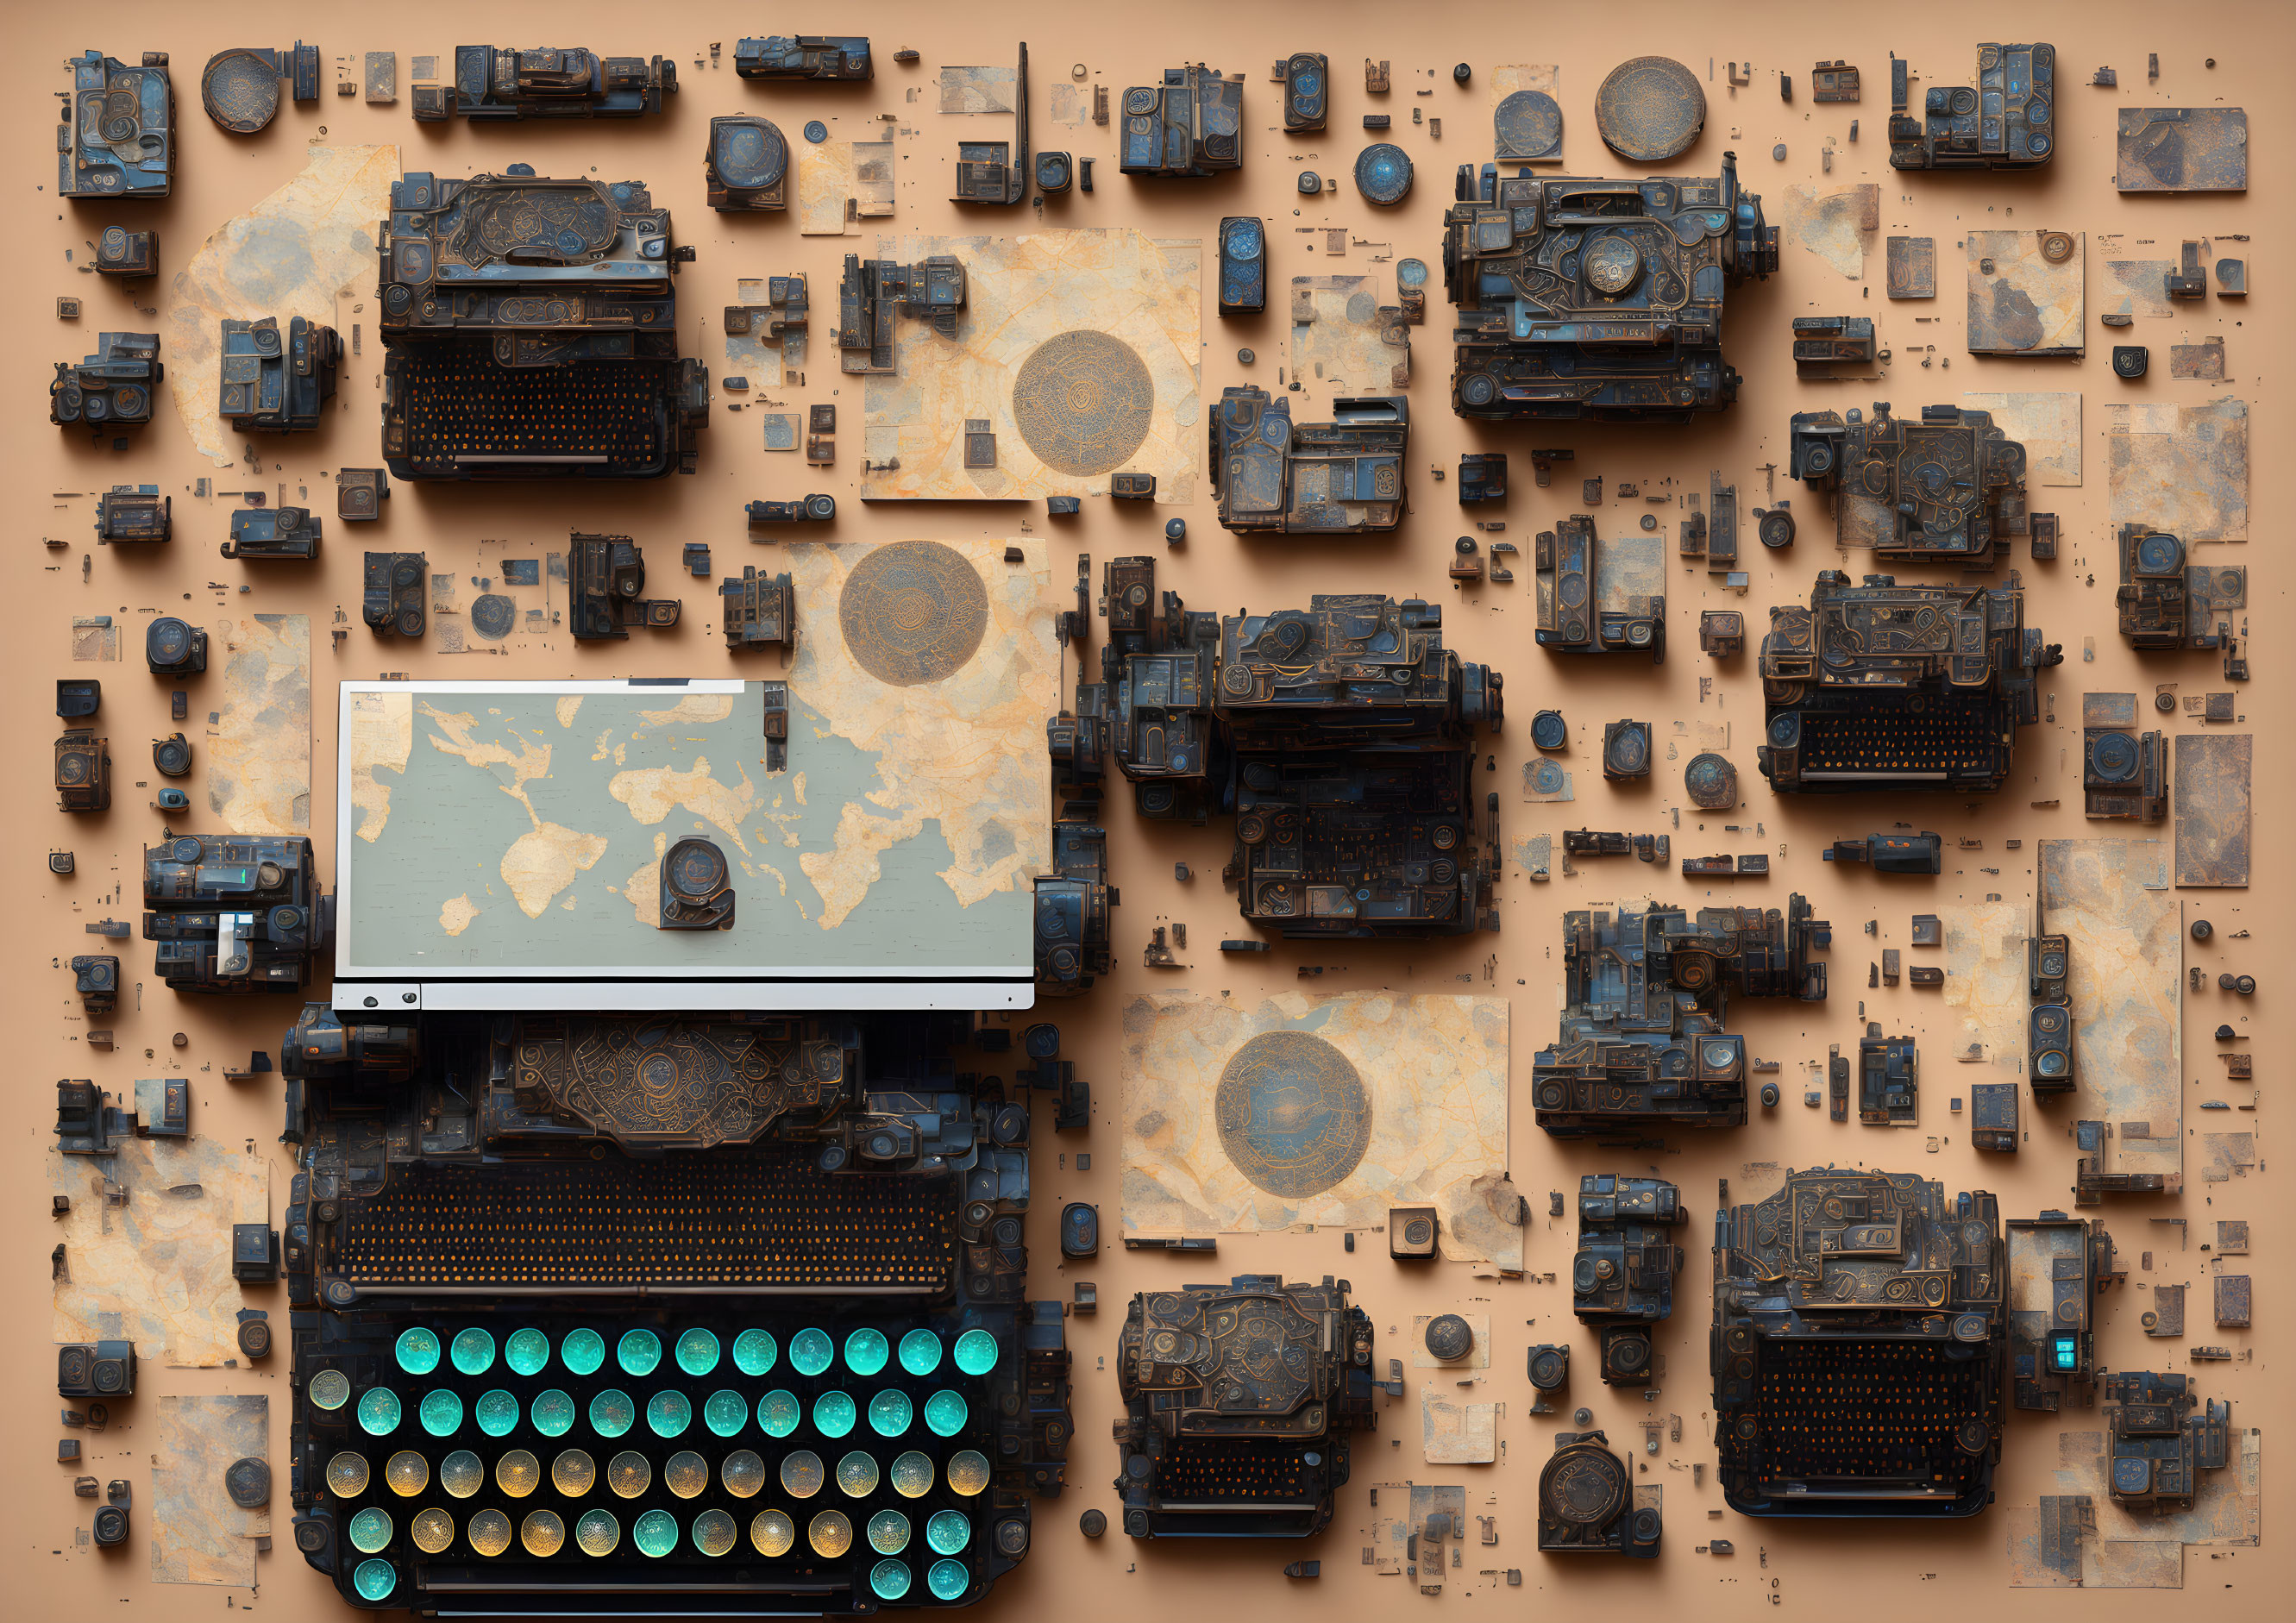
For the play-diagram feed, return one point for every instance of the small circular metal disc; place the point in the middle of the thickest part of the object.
(248, 1481)
(1710, 781)
(1777, 528)
(241, 90)
(1649, 109)
(816, 132)
(1528, 124)
(492, 616)
(1449, 1336)
(1383, 174)
(1246, 356)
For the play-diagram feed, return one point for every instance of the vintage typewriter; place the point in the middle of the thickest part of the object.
(1947, 489)
(1341, 737)
(2007, 122)
(114, 388)
(119, 139)
(1188, 126)
(1239, 1404)
(1597, 298)
(2165, 602)
(1622, 1273)
(1645, 1004)
(2159, 1446)
(1344, 477)
(1880, 687)
(1858, 1348)
(235, 913)
(532, 332)
(666, 1314)
(491, 84)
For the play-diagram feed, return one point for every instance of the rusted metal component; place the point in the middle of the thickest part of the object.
(2182, 149)
(1911, 268)
(1948, 485)
(2213, 808)
(2008, 121)
(1344, 477)
(491, 85)
(2028, 293)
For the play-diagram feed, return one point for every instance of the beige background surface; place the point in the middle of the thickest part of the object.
(1809, 1570)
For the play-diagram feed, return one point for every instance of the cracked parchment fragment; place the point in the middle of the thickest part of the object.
(198, 1536)
(1835, 223)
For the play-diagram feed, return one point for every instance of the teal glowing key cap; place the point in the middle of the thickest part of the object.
(473, 1352)
(369, 1530)
(976, 1352)
(441, 1412)
(888, 1532)
(889, 1580)
(945, 1412)
(920, 1352)
(374, 1580)
(755, 1352)
(724, 1412)
(890, 1413)
(949, 1579)
(553, 1412)
(697, 1351)
(865, 1351)
(948, 1531)
(779, 1412)
(810, 1351)
(496, 1412)
(583, 1352)
(833, 1413)
(379, 1411)
(527, 1352)
(611, 1412)
(638, 1352)
(418, 1351)
(668, 1413)
(655, 1534)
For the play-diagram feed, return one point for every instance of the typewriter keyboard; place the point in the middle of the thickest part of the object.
(459, 407)
(1870, 1413)
(1941, 743)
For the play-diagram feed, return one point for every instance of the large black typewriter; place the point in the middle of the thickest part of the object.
(531, 327)
(663, 1315)
(1859, 1342)
(1341, 737)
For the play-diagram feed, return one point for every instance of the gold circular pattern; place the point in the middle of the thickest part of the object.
(967, 1471)
(432, 1531)
(628, 1474)
(407, 1472)
(912, 612)
(348, 1475)
(518, 1473)
(801, 1474)
(743, 1473)
(543, 1533)
(685, 1473)
(1649, 109)
(831, 1534)
(773, 1533)
(241, 90)
(574, 1474)
(1292, 1113)
(1084, 402)
(489, 1532)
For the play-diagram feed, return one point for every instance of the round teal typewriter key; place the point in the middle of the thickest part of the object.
(527, 1352)
(831, 1534)
(742, 1473)
(460, 1474)
(920, 1352)
(347, 1475)
(489, 1532)
(968, 1471)
(724, 1412)
(889, 1580)
(597, 1533)
(330, 1389)
(889, 1413)
(638, 1352)
(441, 1412)
(714, 1532)
(778, 1412)
(801, 1474)
(369, 1530)
(473, 1352)
(655, 1534)
(945, 1412)
(407, 1472)
(611, 1412)
(976, 1352)
(856, 1475)
(418, 1351)
(697, 1351)
(518, 1473)
(912, 1474)
(685, 1473)
(629, 1474)
(755, 1352)
(543, 1533)
(379, 1411)
(947, 1580)
(888, 1532)
(773, 1533)
(574, 1473)
(865, 1351)
(553, 1412)
(668, 1413)
(948, 1531)
(833, 1413)
(810, 1351)
(374, 1580)
(432, 1531)
(497, 1412)
(583, 1351)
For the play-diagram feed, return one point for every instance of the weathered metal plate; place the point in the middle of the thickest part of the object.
(1042, 296)
(1986, 982)
(259, 744)
(2125, 1549)
(2212, 791)
(2183, 469)
(2111, 897)
(1403, 1509)
(2027, 292)
(1457, 1433)
(1546, 782)
(1650, 109)
(1526, 119)
(1246, 1118)
(1835, 223)
(1344, 341)
(2182, 149)
(838, 182)
(2203, 362)
(1479, 1355)
(2233, 1301)
(198, 1536)
(2047, 425)
(1912, 269)
(2132, 287)
(979, 89)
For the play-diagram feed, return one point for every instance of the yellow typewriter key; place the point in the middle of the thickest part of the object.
(542, 1533)
(407, 1472)
(489, 1532)
(518, 1473)
(629, 1474)
(831, 1534)
(432, 1531)
(574, 1474)
(773, 1533)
